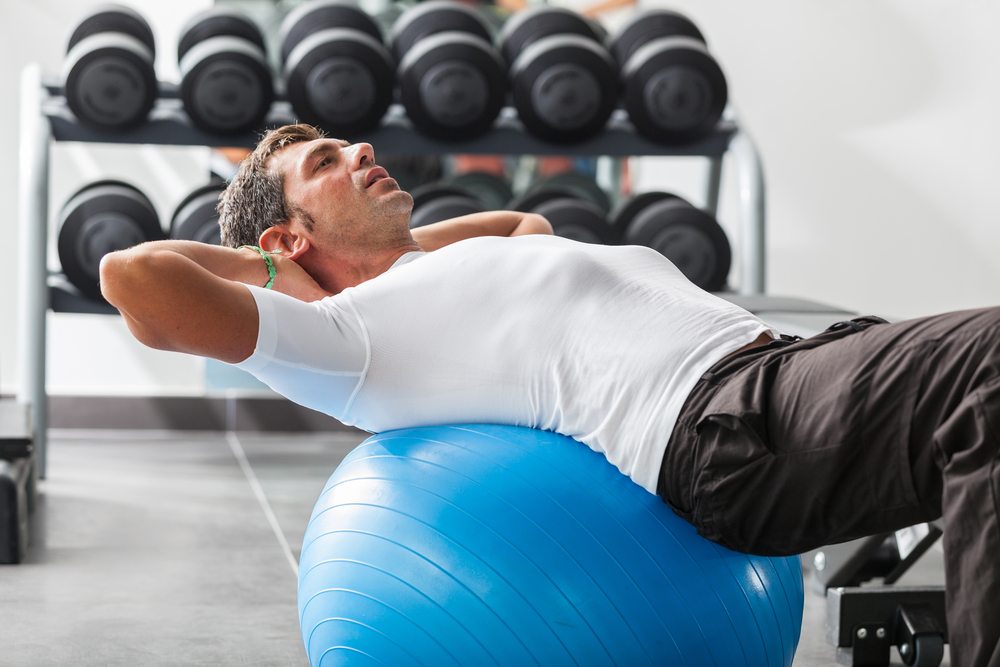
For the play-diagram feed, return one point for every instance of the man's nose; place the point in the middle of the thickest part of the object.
(364, 155)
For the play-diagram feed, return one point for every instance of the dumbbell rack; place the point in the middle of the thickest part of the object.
(45, 118)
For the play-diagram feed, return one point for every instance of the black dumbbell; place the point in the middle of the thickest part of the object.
(196, 217)
(452, 81)
(672, 87)
(109, 78)
(435, 202)
(570, 216)
(492, 190)
(581, 185)
(226, 82)
(100, 218)
(338, 73)
(689, 237)
(564, 82)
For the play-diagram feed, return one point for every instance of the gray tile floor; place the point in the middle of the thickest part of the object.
(179, 549)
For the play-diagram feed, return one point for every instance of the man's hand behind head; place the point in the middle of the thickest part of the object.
(293, 280)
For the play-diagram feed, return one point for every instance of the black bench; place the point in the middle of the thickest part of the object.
(865, 622)
(17, 480)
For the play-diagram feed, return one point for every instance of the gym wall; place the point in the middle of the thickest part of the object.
(876, 124)
(874, 120)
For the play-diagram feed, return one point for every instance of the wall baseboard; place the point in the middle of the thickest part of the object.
(188, 413)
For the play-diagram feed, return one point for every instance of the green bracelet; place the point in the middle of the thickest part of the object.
(271, 271)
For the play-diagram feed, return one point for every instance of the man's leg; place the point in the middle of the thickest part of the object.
(967, 444)
(831, 438)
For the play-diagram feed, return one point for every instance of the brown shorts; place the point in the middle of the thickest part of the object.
(868, 427)
(766, 454)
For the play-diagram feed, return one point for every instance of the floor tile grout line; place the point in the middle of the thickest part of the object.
(258, 491)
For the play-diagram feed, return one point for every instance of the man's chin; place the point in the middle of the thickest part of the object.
(394, 202)
(402, 195)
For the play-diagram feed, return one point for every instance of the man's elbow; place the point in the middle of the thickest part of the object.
(113, 273)
(123, 275)
(118, 272)
(533, 223)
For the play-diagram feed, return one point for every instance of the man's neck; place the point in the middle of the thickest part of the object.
(354, 271)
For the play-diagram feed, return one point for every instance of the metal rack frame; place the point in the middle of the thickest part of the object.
(45, 118)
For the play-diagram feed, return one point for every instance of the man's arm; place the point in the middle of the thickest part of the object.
(184, 296)
(490, 223)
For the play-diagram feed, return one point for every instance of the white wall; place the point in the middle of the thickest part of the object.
(877, 122)
(875, 119)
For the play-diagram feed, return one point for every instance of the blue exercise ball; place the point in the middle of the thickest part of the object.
(497, 545)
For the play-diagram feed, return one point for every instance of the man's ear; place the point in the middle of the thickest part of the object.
(280, 238)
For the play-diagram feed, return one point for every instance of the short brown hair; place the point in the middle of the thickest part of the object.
(255, 199)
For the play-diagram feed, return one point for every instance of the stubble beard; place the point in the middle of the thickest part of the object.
(391, 217)
(387, 227)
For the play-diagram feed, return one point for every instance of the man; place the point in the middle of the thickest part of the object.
(767, 445)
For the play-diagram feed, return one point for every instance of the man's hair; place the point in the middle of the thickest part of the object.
(255, 199)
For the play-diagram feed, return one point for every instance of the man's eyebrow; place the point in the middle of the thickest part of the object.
(321, 148)
(312, 155)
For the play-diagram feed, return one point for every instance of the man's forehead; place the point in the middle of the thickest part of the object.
(300, 150)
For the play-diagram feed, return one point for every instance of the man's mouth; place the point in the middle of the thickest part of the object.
(375, 174)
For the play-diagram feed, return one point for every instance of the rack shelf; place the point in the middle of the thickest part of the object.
(169, 125)
(46, 118)
(65, 298)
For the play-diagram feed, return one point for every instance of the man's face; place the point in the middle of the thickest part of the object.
(352, 201)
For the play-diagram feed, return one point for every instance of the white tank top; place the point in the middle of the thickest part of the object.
(599, 343)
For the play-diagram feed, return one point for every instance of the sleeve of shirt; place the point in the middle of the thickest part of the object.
(315, 354)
